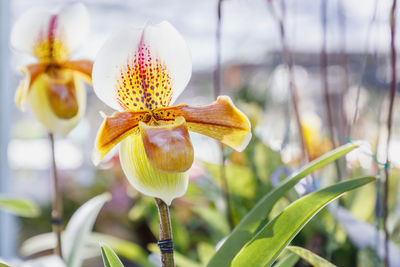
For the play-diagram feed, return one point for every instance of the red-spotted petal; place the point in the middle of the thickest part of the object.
(142, 68)
(51, 36)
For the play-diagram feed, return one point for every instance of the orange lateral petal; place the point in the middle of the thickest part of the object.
(221, 120)
(114, 129)
(31, 72)
(84, 67)
(168, 146)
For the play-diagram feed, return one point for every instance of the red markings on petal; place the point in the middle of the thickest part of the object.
(144, 81)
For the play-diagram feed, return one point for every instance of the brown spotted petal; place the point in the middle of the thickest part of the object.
(221, 120)
(116, 128)
(168, 146)
(31, 72)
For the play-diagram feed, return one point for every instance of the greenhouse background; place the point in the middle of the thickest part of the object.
(339, 66)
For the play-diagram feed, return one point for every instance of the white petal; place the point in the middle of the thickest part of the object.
(144, 177)
(164, 43)
(74, 22)
(72, 27)
(28, 28)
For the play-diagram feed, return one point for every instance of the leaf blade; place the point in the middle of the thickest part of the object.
(310, 257)
(268, 243)
(79, 228)
(110, 258)
(248, 225)
(19, 206)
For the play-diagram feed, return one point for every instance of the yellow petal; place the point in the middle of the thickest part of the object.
(40, 105)
(61, 93)
(31, 73)
(168, 146)
(220, 120)
(83, 67)
(114, 129)
(144, 177)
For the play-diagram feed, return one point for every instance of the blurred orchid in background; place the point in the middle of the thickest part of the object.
(140, 72)
(53, 86)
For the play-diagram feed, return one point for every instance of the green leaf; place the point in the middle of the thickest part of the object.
(288, 260)
(19, 206)
(249, 224)
(310, 257)
(79, 228)
(268, 243)
(126, 249)
(4, 264)
(110, 259)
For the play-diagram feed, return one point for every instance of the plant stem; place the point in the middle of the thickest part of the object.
(389, 129)
(167, 257)
(217, 92)
(225, 189)
(288, 58)
(57, 209)
(325, 83)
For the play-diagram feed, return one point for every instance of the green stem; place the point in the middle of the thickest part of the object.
(167, 258)
(57, 207)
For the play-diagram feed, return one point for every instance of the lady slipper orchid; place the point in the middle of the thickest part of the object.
(140, 72)
(53, 86)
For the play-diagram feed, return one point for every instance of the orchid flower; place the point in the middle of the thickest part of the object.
(53, 86)
(140, 73)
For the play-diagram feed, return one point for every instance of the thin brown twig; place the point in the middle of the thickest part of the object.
(167, 257)
(364, 68)
(57, 206)
(345, 77)
(389, 129)
(288, 58)
(217, 92)
(325, 82)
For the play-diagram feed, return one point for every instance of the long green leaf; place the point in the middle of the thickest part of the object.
(249, 224)
(288, 260)
(79, 228)
(19, 206)
(269, 242)
(124, 248)
(110, 259)
(310, 257)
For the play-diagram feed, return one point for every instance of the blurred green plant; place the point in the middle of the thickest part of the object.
(258, 215)
(19, 206)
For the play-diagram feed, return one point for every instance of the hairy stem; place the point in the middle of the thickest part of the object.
(57, 207)
(165, 243)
